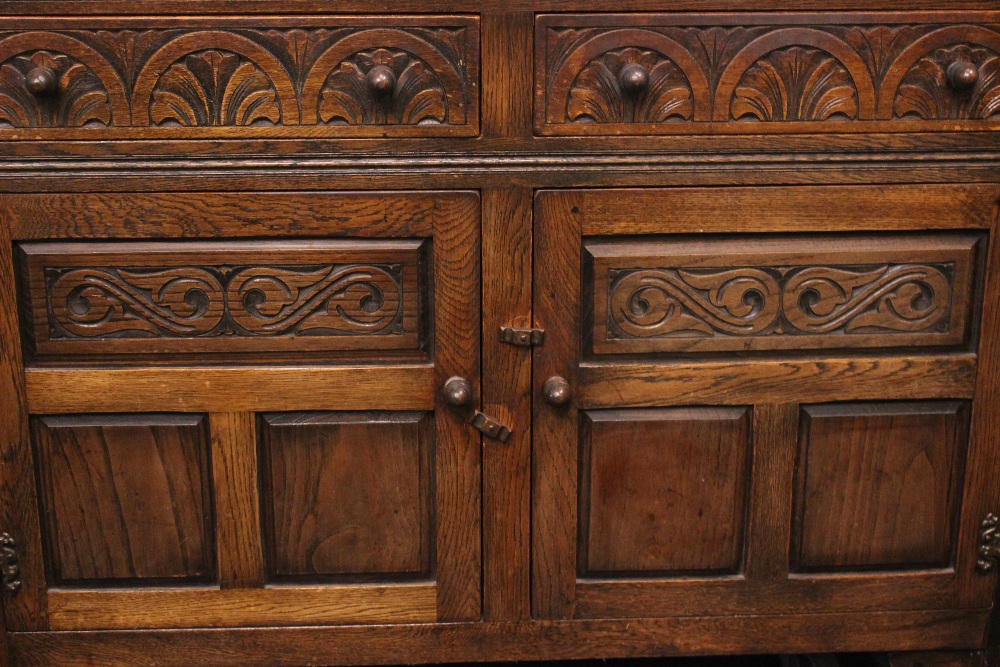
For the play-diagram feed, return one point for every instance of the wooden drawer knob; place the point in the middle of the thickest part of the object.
(634, 79)
(556, 391)
(963, 75)
(457, 392)
(382, 80)
(41, 81)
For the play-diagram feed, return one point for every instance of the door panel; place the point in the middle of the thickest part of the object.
(763, 402)
(244, 432)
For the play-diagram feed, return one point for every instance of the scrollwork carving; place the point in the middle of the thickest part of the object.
(192, 302)
(796, 84)
(79, 98)
(214, 87)
(414, 93)
(925, 91)
(600, 95)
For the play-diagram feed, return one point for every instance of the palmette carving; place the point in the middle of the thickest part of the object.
(191, 302)
(926, 92)
(79, 98)
(214, 88)
(788, 301)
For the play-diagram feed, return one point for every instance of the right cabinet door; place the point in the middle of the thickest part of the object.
(767, 400)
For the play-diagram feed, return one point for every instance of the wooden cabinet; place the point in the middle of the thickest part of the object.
(428, 331)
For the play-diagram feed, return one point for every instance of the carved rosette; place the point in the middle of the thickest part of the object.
(417, 95)
(214, 88)
(925, 92)
(190, 302)
(597, 94)
(80, 100)
(795, 84)
(662, 303)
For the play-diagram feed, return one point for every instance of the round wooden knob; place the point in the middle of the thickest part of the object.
(556, 391)
(963, 75)
(633, 78)
(41, 81)
(457, 392)
(381, 79)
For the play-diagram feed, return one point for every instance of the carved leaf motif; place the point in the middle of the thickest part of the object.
(663, 302)
(896, 298)
(212, 88)
(189, 302)
(795, 84)
(597, 96)
(925, 92)
(418, 97)
(81, 99)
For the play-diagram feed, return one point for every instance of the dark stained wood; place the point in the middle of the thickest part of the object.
(879, 484)
(663, 492)
(502, 642)
(937, 659)
(347, 493)
(507, 271)
(126, 497)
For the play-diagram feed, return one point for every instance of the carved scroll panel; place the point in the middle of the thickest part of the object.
(650, 73)
(275, 296)
(780, 293)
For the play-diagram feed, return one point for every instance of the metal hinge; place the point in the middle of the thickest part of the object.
(989, 544)
(522, 337)
(10, 571)
(490, 427)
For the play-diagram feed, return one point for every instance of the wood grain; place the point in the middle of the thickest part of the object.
(126, 497)
(231, 388)
(663, 492)
(347, 493)
(237, 500)
(212, 608)
(877, 467)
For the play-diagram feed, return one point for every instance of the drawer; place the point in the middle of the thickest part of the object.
(363, 76)
(753, 73)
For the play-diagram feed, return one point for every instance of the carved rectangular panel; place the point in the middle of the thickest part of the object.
(227, 296)
(717, 295)
(758, 73)
(126, 497)
(663, 491)
(324, 77)
(347, 493)
(879, 485)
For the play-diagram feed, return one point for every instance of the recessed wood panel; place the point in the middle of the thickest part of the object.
(347, 493)
(126, 497)
(663, 490)
(785, 292)
(879, 484)
(204, 297)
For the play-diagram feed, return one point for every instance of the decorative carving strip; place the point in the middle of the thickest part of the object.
(180, 301)
(618, 69)
(687, 301)
(425, 79)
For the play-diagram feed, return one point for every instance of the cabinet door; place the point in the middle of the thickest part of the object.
(761, 401)
(219, 428)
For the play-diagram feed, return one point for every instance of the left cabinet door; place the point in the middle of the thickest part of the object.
(225, 409)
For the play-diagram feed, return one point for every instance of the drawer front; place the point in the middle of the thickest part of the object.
(317, 77)
(782, 293)
(719, 74)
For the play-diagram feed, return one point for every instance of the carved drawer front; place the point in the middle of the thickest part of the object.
(783, 293)
(316, 77)
(232, 296)
(752, 73)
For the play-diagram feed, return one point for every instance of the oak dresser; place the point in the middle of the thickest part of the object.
(428, 331)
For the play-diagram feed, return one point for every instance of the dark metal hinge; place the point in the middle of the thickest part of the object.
(490, 427)
(10, 571)
(522, 337)
(989, 544)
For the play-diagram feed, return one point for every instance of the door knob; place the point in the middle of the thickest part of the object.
(457, 392)
(41, 81)
(556, 391)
